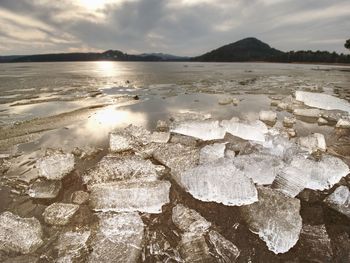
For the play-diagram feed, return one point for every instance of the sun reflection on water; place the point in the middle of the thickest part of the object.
(107, 68)
(102, 122)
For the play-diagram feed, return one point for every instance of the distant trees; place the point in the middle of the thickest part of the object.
(347, 44)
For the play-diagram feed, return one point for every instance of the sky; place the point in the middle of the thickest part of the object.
(181, 27)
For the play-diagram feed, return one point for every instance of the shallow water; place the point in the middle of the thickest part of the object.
(69, 105)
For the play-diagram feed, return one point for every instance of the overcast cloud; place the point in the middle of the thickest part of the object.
(182, 27)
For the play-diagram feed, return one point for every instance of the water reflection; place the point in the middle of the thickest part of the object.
(107, 68)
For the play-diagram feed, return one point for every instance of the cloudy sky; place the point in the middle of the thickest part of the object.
(183, 27)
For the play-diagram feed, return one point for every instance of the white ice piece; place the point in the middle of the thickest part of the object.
(254, 131)
(126, 196)
(205, 130)
(20, 235)
(313, 142)
(219, 182)
(212, 153)
(339, 200)
(118, 239)
(268, 116)
(322, 101)
(55, 166)
(261, 168)
(275, 218)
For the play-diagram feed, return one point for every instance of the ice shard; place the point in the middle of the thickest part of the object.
(45, 189)
(313, 142)
(188, 220)
(212, 153)
(55, 166)
(226, 250)
(59, 214)
(72, 246)
(339, 200)
(323, 174)
(249, 131)
(275, 218)
(193, 248)
(177, 157)
(19, 235)
(269, 117)
(205, 130)
(219, 182)
(261, 168)
(119, 238)
(322, 101)
(291, 181)
(126, 196)
(113, 168)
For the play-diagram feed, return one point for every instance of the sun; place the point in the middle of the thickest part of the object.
(94, 4)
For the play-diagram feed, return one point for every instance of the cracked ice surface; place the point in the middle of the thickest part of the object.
(55, 166)
(205, 130)
(219, 182)
(126, 196)
(322, 101)
(119, 238)
(275, 218)
(261, 168)
(254, 131)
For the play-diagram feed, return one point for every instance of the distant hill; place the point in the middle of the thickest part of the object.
(166, 57)
(252, 49)
(248, 49)
(245, 50)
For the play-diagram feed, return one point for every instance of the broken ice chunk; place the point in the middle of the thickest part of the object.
(321, 174)
(253, 131)
(177, 157)
(275, 218)
(188, 220)
(193, 248)
(291, 181)
(72, 245)
(212, 153)
(45, 189)
(160, 137)
(118, 239)
(126, 196)
(219, 182)
(310, 113)
(19, 235)
(162, 126)
(121, 167)
(59, 214)
(119, 142)
(343, 123)
(225, 249)
(80, 197)
(269, 117)
(55, 166)
(261, 168)
(315, 244)
(339, 200)
(322, 101)
(313, 142)
(139, 133)
(204, 130)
